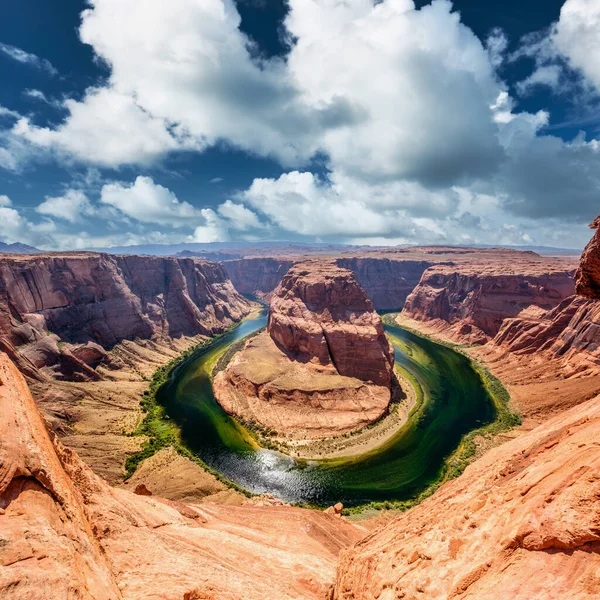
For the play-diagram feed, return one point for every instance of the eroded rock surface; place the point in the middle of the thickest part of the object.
(319, 313)
(472, 301)
(588, 274)
(64, 533)
(324, 366)
(520, 523)
(59, 313)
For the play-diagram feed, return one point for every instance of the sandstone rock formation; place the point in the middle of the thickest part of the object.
(320, 313)
(64, 533)
(588, 275)
(473, 300)
(324, 367)
(59, 313)
(520, 523)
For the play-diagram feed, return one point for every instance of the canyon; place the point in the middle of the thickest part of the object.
(323, 367)
(522, 520)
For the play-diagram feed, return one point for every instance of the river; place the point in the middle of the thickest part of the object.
(453, 401)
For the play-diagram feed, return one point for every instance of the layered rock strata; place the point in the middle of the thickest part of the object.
(64, 533)
(257, 276)
(320, 313)
(59, 313)
(324, 367)
(472, 301)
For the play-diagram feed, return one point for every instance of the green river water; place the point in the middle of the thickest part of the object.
(452, 402)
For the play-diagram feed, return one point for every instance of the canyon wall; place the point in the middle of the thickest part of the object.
(472, 301)
(522, 522)
(387, 281)
(571, 331)
(257, 276)
(59, 313)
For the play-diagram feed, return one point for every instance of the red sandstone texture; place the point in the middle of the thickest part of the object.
(520, 523)
(324, 367)
(588, 274)
(523, 522)
(64, 533)
(320, 313)
(302, 400)
(59, 313)
(473, 300)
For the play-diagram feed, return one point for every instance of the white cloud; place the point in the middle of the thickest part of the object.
(27, 58)
(149, 202)
(238, 216)
(497, 44)
(420, 82)
(7, 112)
(41, 97)
(301, 203)
(5, 201)
(108, 129)
(577, 37)
(548, 75)
(405, 107)
(71, 206)
(212, 231)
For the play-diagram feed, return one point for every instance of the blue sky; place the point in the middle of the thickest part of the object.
(130, 121)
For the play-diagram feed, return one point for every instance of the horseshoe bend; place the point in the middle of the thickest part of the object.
(323, 366)
(103, 498)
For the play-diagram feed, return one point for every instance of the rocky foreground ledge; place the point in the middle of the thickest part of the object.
(324, 367)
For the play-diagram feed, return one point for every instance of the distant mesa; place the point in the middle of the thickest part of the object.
(323, 367)
(17, 248)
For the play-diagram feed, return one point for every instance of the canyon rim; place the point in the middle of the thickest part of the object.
(300, 300)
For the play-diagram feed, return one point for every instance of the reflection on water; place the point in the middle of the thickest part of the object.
(455, 403)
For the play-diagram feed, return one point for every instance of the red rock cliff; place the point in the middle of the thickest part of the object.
(473, 300)
(320, 313)
(257, 276)
(588, 275)
(60, 312)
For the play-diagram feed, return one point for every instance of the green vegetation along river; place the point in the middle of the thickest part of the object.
(453, 401)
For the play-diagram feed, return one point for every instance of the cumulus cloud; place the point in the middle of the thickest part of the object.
(214, 229)
(109, 129)
(577, 37)
(27, 58)
(240, 217)
(71, 206)
(301, 203)
(404, 107)
(421, 81)
(149, 202)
